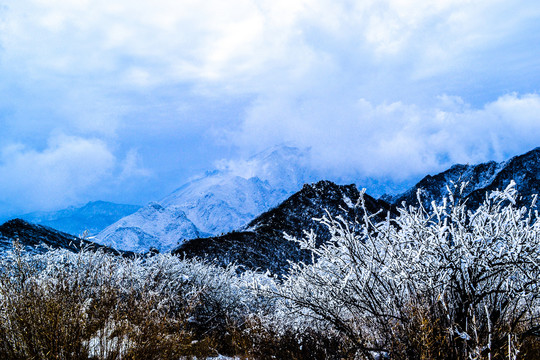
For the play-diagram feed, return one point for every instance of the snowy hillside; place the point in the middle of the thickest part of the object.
(152, 226)
(231, 196)
(220, 202)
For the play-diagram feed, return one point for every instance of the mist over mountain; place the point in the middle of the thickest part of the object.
(236, 192)
(229, 215)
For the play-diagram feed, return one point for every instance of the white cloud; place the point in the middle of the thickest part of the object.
(59, 174)
(132, 167)
(237, 43)
(171, 40)
(396, 140)
(247, 47)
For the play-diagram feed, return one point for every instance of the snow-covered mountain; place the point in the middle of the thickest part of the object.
(231, 196)
(153, 226)
(218, 202)
(93, 217)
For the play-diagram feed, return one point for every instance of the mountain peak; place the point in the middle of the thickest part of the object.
(151, 226)
(262, 244)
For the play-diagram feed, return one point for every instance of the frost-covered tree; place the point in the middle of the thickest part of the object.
(445, 283)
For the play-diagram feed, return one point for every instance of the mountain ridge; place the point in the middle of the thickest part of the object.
(38, 239)
(260, 242)
(482, 178)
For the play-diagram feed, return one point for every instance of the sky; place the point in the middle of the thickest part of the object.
(125, 100)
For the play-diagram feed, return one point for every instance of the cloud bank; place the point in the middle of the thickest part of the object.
(148, 94)
(398, 140)
(259, 46)
(60, 174)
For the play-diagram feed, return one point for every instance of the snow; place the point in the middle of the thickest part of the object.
(220, 203)
(151, 226)
(348, 202)
(237, 192)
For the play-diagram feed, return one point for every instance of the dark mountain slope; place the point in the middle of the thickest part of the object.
(261, 244)
(296, 214)
(523, 169)
(38, 238)
(482, 179)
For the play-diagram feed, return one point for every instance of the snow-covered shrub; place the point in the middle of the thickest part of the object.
(448, 283)
(95, 305)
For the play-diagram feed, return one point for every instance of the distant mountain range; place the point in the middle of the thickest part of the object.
(255, 239)
(92, 217)
(482, 179)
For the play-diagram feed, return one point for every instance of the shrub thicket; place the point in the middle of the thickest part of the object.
(448, 283)
(61, 305)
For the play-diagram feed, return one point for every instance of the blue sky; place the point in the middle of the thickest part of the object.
(125, 100)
